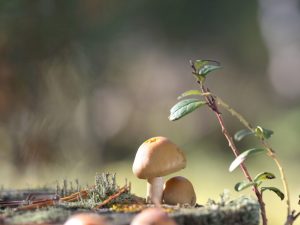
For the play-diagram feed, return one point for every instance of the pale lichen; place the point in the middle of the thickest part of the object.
(121, 210)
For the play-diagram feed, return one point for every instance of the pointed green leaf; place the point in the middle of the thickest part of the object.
(267, 133)
(184, 107)
(263, 176)
(203, 67)
(198, 64)
(206, 69)
(263, 133)
(188, 93)
(242, 157)
(275, 190)
(243, 185)
(242, 133)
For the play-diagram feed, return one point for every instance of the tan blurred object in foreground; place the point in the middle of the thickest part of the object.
(153, 216)
(86, 219)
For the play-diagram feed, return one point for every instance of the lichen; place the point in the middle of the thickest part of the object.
(241, 211)
(121, 210)
(105, 186)
(46, 215)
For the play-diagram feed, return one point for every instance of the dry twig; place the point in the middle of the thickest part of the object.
(75, 196)
(112, 197)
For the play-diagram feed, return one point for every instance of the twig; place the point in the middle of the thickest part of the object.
(271, 153)
(112, 197)
(75, 196)
(234, 113)
(12, 203)
(211, 101)
(292, 217)
(37, 205)
(49, 201)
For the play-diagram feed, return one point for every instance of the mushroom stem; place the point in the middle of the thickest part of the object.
(155, 187)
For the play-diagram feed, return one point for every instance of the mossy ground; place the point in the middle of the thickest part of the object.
(120, 210)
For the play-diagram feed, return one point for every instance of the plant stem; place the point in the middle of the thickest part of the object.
(234, 113)
(211, 101)
(271, 152)
(292, 217)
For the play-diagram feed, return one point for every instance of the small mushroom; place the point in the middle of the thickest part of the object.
(155, 158)
(86, 219)
(153, 216)
(179, 190)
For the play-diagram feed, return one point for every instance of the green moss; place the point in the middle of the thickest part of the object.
(48, 215)
(240, 211)
(105, 186)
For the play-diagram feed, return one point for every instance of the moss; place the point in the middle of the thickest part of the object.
(48, 215)
(121, 210)
(241, 211)
(105, 186)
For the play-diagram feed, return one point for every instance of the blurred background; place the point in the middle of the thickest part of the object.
(84, 83)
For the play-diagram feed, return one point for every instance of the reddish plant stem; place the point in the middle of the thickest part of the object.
(243, 167)
(213, 106)
(291, 215)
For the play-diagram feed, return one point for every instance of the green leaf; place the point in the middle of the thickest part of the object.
(275, 190)
(184, 107)
(263, 133)
(243, 185)
(242, 133)
(203, 67)
(263, 176)
(242, 157)
(206, 69)
(198, 64)
(188, 93)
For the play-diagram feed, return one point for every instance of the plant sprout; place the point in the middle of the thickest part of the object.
(201, 68)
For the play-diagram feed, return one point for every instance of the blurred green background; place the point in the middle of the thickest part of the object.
(84, 83)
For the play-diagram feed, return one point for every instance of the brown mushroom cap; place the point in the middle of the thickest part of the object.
(153, 216)
(157, 157)
(86, 219)
(179, 190)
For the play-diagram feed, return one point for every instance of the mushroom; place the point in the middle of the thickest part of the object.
(86, 219)
(153, 216)
(155, 158)
(179, 190)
